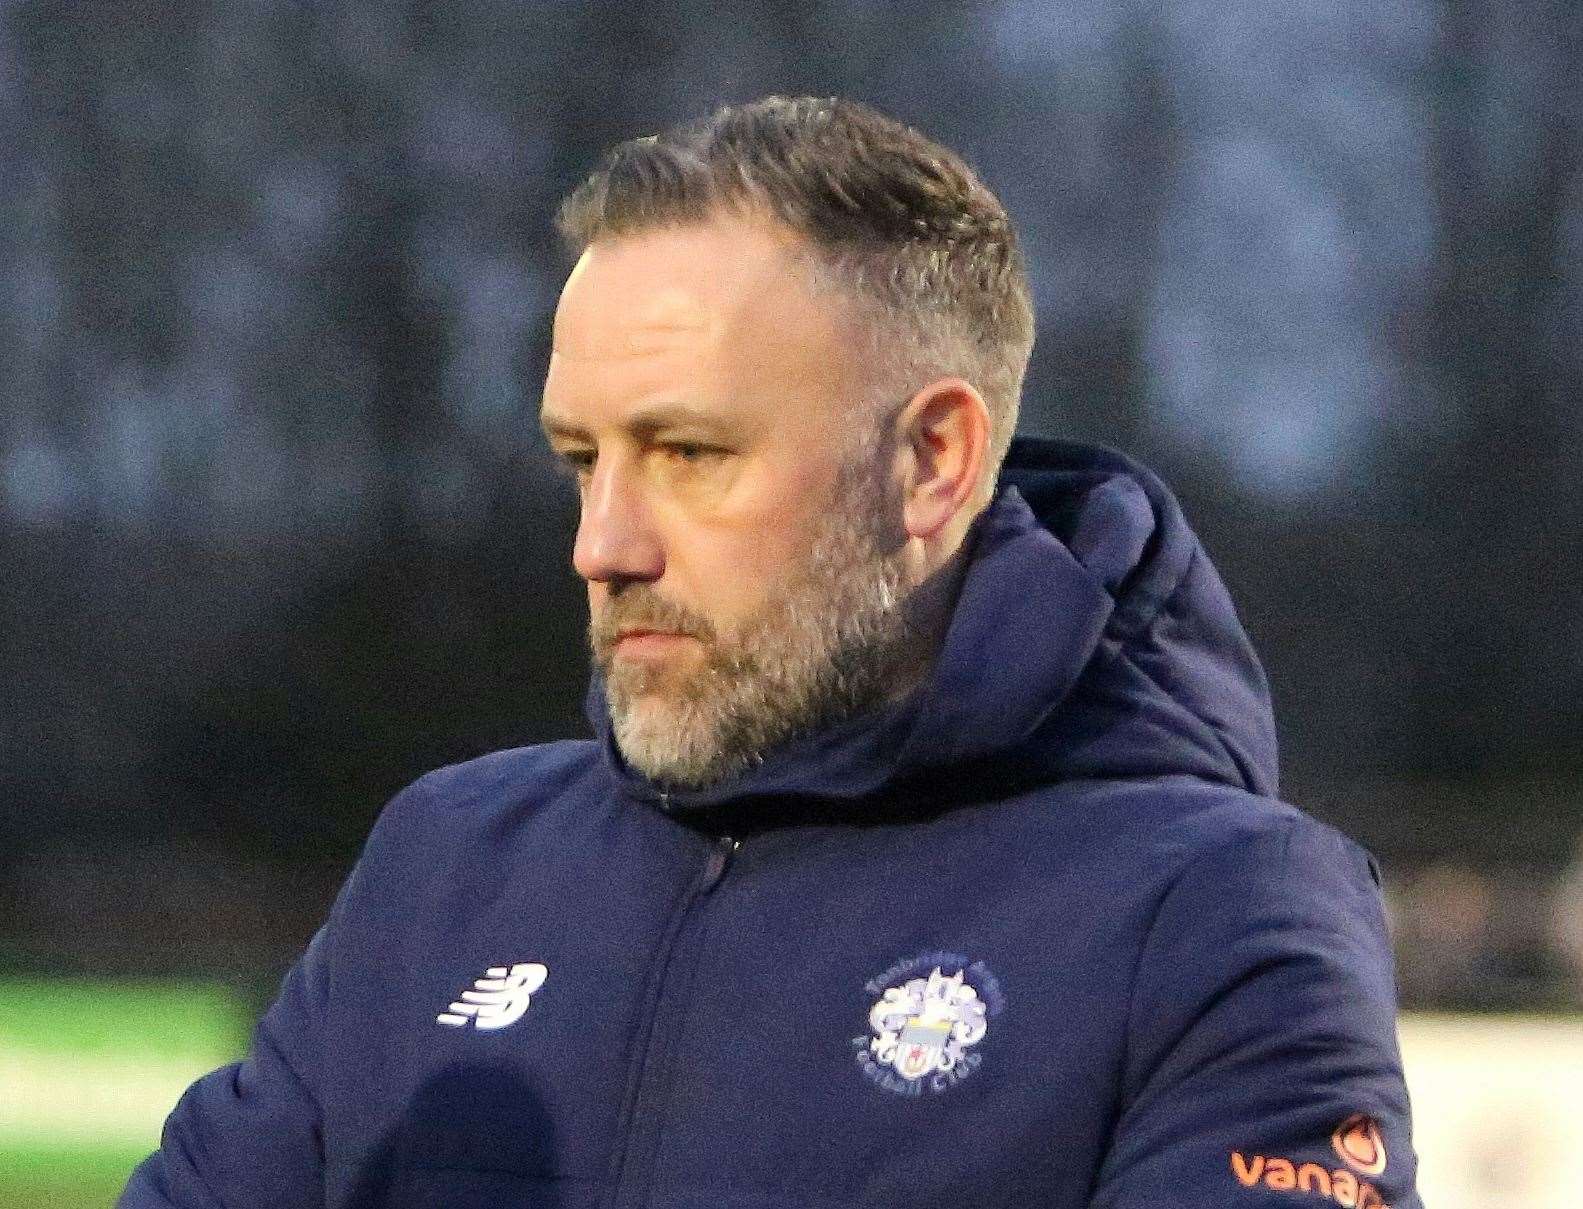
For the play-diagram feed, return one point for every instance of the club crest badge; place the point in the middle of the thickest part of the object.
(929, 1014)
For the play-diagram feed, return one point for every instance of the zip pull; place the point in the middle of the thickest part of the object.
(719, 857)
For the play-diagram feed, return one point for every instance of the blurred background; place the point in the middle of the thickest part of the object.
(277, 534)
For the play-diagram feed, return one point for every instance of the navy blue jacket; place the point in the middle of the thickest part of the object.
(1037, 935)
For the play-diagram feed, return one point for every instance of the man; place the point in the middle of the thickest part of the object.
(926, 855)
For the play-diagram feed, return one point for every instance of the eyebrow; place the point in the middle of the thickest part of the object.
(642, 423)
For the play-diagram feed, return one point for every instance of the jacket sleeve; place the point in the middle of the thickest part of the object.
(248, 1134)
(1261, 1055)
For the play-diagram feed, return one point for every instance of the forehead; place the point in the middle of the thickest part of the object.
(719, 312)
(679, 284)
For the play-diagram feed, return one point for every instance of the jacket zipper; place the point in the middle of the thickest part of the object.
(719, 859)
(641, 1120)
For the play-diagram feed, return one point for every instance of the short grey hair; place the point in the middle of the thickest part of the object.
(897, 223)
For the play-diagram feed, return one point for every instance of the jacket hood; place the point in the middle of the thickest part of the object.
(1091, 639)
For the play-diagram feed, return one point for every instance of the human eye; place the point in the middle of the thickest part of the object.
(575, 463)
(691, 453)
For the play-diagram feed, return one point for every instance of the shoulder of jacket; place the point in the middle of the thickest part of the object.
(458, 798)
(458, 815)
(1284, 836)
(503, 776)
(1267, 860)
(1186, 829)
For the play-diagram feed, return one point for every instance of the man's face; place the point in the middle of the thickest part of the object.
(737, 534)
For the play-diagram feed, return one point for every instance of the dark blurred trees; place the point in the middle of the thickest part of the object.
(1490, 495)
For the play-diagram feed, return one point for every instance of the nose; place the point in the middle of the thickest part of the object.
(616, 537)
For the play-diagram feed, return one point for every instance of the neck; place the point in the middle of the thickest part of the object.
(929, 609)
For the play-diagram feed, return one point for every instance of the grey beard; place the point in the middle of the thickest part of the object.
(834, 642)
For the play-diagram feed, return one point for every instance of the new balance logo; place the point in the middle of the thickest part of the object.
(498, 998)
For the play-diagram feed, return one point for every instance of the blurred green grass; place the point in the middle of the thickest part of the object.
(65, 1177)
(88, 1070)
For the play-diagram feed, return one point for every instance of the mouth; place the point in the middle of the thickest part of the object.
(640, 642)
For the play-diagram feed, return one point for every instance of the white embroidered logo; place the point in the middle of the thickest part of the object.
(927, 1024)
(927, 1015)
(498, 998)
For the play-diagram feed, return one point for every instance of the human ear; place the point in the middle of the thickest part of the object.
(944, 438)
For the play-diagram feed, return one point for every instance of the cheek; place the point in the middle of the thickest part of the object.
(731, 561)
(730, 574)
